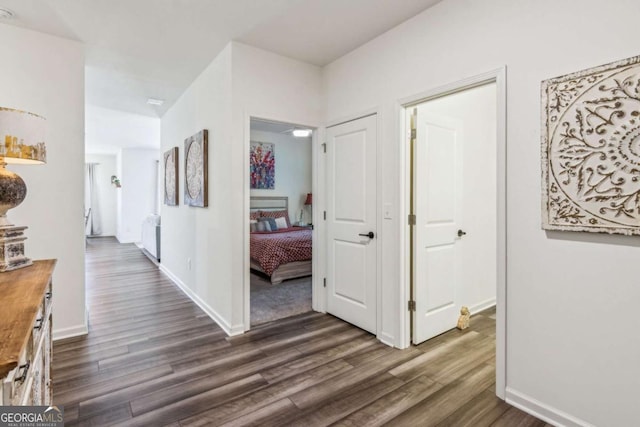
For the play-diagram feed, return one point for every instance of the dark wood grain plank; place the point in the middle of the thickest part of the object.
(154, 358)
(328, 389)
(444, 402)
(274, 414)
(514, 417)
(339, 351)
(480, 411)
(290, 387)
(174, 386)
(432, 361)
(149, 413)
(94, 390)
(347, 401)
(392, 403)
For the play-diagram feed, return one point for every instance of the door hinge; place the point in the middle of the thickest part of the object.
(411, 306)
(414, 120)
(411, 219)
(324, 214)
(324, 147)
(324, 282)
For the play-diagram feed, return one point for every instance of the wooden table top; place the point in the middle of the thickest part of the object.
(21, 293)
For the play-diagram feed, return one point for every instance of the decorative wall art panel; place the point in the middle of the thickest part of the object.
(591, 150)
(195, 170)
(262, 166)
(171, 177)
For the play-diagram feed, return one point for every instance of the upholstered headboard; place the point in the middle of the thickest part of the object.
(264, 203)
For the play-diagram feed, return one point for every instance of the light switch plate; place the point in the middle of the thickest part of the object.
(387, 211)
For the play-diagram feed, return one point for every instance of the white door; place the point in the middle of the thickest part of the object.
(438, 200)
(351, 222)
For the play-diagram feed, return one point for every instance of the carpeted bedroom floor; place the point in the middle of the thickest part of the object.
(271, 302)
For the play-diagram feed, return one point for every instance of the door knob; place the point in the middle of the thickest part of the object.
(369, 235)
(461, 233)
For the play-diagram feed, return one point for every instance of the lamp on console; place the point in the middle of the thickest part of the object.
(21, 142)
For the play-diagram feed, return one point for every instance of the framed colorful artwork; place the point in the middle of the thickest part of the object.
(262, 166)
(171, 177)
(196, 190)
(591, 150)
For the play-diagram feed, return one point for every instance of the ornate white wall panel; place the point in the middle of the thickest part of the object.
(591, 149)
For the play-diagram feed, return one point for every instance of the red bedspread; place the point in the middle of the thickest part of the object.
(273, 249)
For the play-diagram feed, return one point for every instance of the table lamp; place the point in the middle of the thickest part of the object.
(21, 142)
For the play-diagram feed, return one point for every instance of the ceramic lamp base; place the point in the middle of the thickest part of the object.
(12, 248)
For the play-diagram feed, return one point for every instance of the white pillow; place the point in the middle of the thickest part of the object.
(281, 222)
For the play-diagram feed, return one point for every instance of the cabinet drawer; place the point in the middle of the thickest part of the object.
(14, 385)
(48, 297)
(47, 353)
(39, 326)
(34, 388)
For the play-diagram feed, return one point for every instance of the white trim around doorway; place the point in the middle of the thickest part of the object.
(317, 188)
(497, 76)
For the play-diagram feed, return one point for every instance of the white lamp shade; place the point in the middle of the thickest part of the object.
(22, 137)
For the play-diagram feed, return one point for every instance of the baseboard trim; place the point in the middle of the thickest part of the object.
(125, 240)
(477, 308)
(543, 411)
(387, 339)
(230, 330)
(71, 332)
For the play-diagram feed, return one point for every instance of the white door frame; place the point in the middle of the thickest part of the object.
(497, 76)
(317, 188)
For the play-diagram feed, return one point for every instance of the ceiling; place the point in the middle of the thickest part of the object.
(137, 49)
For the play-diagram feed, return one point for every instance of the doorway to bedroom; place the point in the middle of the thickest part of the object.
(280, 220)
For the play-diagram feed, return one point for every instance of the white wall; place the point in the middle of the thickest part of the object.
(476, 110)
(107, 131)
(203, 235)
(45, 75)
(571, 297)
(134, 141)
(242, 81)
(107, 192)
(293, 170)
(268, 86)
(138, 194)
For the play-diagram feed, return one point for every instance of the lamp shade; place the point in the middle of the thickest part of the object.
(22, 137)
(309, 200)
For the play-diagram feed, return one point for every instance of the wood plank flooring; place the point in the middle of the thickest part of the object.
(153, 358)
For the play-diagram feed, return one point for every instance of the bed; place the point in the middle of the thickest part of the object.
(281, 254)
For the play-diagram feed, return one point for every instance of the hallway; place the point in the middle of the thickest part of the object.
(152, 358)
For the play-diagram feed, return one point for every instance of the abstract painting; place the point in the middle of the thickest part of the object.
(196, 160)
(591, 150)
(262, 166)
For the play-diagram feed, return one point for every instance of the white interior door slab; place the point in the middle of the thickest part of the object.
(438, 201)
(351, 222)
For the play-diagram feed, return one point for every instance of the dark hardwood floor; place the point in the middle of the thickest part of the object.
(153, 358)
